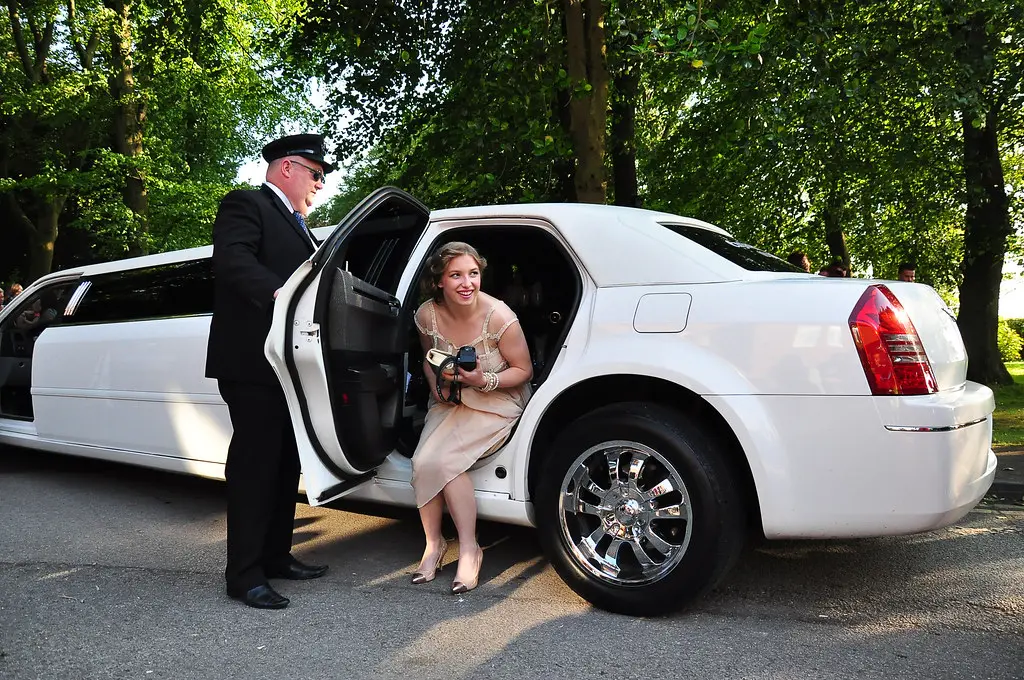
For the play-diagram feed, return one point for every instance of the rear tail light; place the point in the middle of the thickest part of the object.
(889, 346)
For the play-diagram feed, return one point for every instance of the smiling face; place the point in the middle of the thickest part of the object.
(460, 282)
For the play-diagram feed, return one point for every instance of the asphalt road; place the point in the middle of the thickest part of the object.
(109, 571)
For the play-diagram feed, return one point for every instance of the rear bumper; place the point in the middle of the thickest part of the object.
(836, 467)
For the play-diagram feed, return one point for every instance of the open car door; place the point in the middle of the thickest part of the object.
(338, 343)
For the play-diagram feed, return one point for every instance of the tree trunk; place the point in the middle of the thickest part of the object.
(832, 218)
(987, 220)
(588, 76)
(623, 138)
(41, 253)
(42, 235)
(564, 168)
(986, 229)
(129, 117)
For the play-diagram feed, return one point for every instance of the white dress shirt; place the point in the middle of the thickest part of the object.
(288, 205)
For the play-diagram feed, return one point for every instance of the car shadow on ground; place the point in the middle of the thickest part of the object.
(373, 548)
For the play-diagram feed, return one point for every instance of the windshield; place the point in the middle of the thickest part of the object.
(742, 254)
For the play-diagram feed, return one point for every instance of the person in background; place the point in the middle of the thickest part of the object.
(798, 258)
(834, 271)
(906, 272)
(260, 238)
(1, 299)
(13, 292)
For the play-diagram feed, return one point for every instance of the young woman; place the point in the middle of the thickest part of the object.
(492, 397)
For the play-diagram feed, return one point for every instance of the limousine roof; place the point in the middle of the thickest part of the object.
(618, 246)
(604, 237)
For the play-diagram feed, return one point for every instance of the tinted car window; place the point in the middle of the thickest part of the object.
(742, 254)
(380, 251)
(178, 289)
(35, 312)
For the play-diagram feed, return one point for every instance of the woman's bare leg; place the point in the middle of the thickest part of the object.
(461, 499)
(430, 516)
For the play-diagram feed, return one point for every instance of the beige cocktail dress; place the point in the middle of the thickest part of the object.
(455, 436)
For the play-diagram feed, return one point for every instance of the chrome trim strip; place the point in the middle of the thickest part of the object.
(944, 428)
(194, 398)
(76, 298)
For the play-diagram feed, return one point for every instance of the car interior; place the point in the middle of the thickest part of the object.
(18, 333)
(379, 400)
(530, 272)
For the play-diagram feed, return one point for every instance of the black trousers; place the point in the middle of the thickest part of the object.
(262, 477)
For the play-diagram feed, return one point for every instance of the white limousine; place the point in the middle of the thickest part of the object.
(689, 389)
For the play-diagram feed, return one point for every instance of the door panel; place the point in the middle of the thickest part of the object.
(365, 368)
(336, 343)
(133, 386)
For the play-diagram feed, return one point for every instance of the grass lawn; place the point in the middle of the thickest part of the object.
(1008, 420)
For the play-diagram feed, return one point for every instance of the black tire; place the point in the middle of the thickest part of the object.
(698, 549)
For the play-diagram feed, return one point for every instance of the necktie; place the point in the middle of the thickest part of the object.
(302, 223)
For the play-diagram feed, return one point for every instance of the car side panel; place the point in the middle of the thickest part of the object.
(829, 468)
(795, 396)
(134, 386)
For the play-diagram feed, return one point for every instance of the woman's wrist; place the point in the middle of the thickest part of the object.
(491, 382)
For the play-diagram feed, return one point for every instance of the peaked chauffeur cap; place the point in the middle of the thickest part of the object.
(306, 146)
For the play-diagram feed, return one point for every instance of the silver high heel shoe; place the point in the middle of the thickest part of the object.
(460, 587)
(421, 577)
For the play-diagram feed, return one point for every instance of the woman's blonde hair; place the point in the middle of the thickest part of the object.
(438, 262)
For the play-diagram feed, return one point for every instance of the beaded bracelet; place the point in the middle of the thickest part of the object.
(491, 382)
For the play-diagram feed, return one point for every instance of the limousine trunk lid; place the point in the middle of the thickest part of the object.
(337, 344)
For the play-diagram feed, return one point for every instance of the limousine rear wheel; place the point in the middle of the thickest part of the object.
(638, 510)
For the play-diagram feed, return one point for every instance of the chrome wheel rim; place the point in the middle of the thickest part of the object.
(625, 513)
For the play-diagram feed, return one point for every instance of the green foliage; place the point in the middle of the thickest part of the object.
(1008, 419)
(836, 128)
(482, 123)
(1010, 340)
(1016, 324)
(207, 76)
(811, 148)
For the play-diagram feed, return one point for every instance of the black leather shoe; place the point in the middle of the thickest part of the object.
(294, 570)
(261, 597)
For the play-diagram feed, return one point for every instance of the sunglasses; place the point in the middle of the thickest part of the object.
(318, 175)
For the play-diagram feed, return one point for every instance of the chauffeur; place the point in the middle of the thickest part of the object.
(259, 238)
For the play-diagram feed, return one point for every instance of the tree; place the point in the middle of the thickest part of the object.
(47, 114)
(586, 62)
(864, 132)
(132, 125)
(986, 38)
(512, 102)
(901, 85)
(128, 119)
(486, 124)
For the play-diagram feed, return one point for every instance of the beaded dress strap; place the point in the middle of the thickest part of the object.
(501, 331)
(432, 331)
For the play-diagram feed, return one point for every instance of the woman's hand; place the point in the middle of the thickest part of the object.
(474, 378)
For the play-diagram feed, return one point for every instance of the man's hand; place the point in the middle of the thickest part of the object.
(276, 292)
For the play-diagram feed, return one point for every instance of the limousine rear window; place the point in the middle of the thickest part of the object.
(168, 290)
(739, 253)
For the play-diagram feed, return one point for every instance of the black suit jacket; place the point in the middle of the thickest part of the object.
(257, 245)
